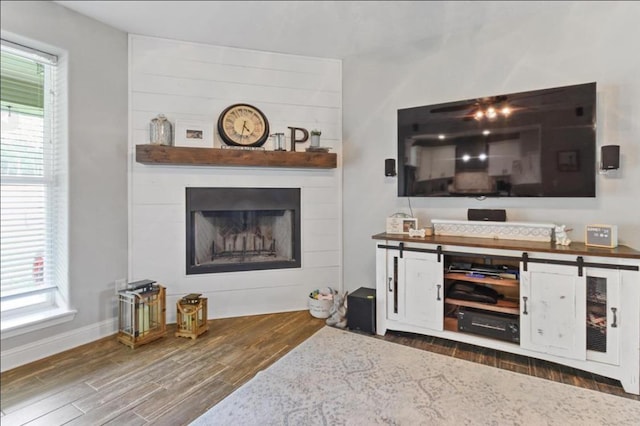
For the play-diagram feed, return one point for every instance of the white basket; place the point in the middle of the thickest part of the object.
(320, 308)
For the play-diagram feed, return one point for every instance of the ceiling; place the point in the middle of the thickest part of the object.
(330, 29)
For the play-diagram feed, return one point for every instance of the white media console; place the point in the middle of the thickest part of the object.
(573, 305)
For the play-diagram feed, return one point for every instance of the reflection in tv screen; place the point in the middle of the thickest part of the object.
(540, 143)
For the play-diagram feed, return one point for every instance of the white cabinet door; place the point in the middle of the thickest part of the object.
(413, 288)
(421, 290)
(553, 310)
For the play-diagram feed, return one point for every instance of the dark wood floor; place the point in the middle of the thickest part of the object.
(174, 380)
(518, 363)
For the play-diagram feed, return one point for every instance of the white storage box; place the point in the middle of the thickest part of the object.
(497, 230)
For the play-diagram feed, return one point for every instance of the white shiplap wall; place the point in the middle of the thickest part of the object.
(196, 82)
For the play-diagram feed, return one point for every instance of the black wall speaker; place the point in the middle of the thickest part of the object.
(390, 167)
(610, 157)
(492, 215)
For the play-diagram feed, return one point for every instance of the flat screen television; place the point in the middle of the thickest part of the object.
(540, 143)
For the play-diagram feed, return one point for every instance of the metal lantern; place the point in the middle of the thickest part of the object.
(142, 314)
(191, 319)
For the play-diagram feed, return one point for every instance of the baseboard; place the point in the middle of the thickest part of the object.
(43, 348)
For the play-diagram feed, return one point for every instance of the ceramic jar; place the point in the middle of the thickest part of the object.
(315, 139)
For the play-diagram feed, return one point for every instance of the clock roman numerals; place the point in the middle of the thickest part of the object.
(228, 126)
(244, 125)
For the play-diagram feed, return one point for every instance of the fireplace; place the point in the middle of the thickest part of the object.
(242, 229)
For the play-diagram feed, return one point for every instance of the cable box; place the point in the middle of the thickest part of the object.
(490, 324)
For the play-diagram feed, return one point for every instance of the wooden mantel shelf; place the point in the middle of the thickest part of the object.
(171, 155)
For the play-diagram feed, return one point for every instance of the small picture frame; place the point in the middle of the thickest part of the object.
(409, 224)
(401, 225)
(194, 134)
(568, 161)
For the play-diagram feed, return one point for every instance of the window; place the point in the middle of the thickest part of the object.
(32, 221)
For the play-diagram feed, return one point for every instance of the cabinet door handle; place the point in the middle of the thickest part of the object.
(615, 318)
(390, 288)
(524, 298)
(438, 292)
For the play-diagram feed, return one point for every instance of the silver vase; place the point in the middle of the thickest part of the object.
(160, 131)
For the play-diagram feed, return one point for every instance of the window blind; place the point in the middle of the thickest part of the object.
(26, 153)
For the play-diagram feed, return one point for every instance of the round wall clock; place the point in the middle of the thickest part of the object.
(243, 125)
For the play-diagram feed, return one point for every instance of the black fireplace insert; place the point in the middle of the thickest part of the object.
(242, 229)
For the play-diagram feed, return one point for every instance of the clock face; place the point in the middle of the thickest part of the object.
(243, 125)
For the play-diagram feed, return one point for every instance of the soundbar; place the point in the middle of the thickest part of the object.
(490, 215)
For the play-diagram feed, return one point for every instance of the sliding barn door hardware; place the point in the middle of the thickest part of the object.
(580, 263)
(525, 259)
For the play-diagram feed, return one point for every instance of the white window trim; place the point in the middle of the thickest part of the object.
(30, 52)
(26, 321)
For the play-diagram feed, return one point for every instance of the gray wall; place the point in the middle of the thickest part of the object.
(569, 43)
(97, 128)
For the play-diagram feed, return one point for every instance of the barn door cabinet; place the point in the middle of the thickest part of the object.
(413, 288)
(577, 306)
(571, 315)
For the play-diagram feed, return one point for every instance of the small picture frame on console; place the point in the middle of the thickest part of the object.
(409, 224)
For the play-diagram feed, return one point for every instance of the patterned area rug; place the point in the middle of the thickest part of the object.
(342, 378)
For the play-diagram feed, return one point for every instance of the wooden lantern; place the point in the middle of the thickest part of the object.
(191, 320)
(141, 313)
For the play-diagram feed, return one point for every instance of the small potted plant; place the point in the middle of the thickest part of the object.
(315, 138)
